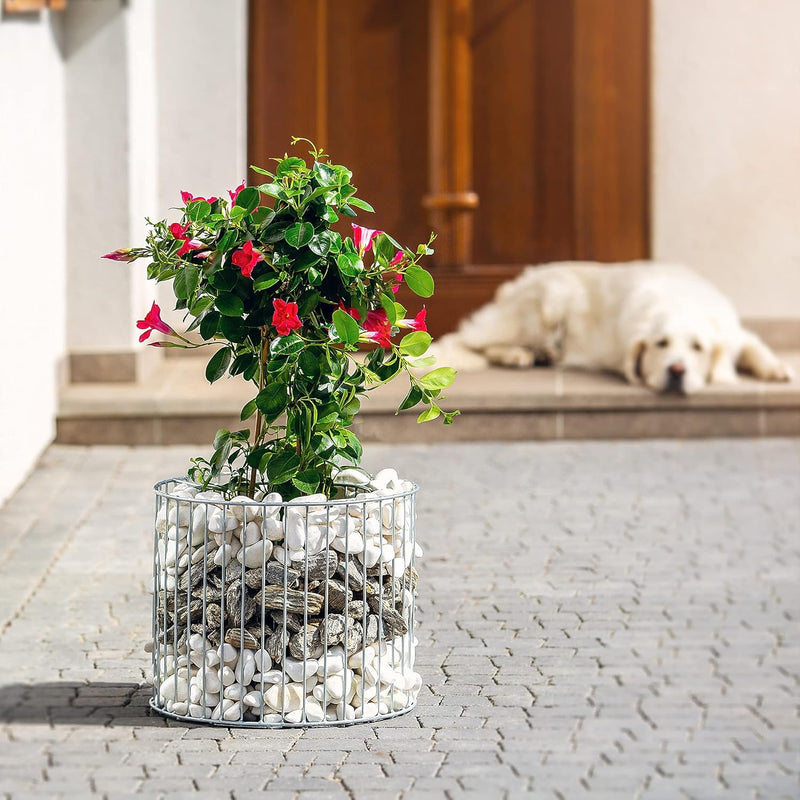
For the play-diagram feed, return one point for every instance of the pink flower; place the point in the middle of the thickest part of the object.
(189, 245)
(353, 312)
(246, 258)
(362, 238)
(235, 193)
(378, 328)
(285, 318)
(188, 197)
(416, 324)
(121, 255)
(398, 257)
(152, 322)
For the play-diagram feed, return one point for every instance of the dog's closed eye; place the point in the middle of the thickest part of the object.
(697, 346)
(663, 342)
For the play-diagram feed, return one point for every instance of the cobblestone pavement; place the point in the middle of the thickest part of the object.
(600, 620)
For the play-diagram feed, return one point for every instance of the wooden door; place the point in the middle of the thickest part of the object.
(517, 128)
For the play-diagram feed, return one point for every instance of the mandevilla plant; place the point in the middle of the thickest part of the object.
(286, 302)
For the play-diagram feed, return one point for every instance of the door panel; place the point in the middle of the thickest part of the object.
(559, 139)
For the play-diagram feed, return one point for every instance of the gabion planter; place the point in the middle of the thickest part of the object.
(285, 614)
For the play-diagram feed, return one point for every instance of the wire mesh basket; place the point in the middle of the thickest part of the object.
(275, 614)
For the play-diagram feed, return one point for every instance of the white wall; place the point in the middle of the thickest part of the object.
(726, 125)
(32, 232)
(201, 75)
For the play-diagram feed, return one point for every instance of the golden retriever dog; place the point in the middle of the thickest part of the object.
(659, 325)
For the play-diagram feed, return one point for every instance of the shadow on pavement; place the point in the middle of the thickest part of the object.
(72, 703)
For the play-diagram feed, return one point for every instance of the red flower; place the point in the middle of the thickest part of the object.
(235, 193)
(152, 322)
(246, 258)
(353, 312)
(362, 237)
(189, 245)
(285, 318)
(121, 255)
(378, 328)
(416, 324)
(188, 197)
(179, 231)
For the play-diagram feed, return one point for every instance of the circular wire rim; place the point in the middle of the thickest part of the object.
(224, 723)
(160, 491)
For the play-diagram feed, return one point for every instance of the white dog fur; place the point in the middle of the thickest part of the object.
(660, 325)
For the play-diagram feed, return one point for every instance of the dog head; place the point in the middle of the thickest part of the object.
(675, 354)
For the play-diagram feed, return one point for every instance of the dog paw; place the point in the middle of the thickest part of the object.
(511, 356)
(781, 372)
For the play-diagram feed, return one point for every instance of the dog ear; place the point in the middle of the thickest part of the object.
(633, 362)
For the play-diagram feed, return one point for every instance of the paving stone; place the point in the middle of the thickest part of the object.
(608, 618)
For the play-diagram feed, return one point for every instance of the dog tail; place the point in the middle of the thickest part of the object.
(450, 351)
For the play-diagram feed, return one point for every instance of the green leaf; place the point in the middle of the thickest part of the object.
(198, 210)
(200, 305)
(389, 306)
(350, 265)
(419, 280)
(282, 467)
(429, 414)
(439, 378)
(223, 279)
(306, 481)
(346, 327)
(220, 437)
(261, 170)
(263, 215)
(321, 243)
(186, 282)
(229, 304)
(299, 234)
(216, 367)
(311, 362)
(362, 204)
(290, 165)
(233, 329)
(248, 410)
(325, 175)
(347, 211)
(286, 345)
(272, 400)
(210, 325)
(273, 190)
(411, 399)
(416, 343)
(265, 282)
(350, 444)
(237, 212)
(248, 198)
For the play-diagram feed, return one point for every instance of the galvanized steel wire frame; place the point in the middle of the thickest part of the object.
(163, 491)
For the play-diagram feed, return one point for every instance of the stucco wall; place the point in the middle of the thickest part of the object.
(726, 149)
(32, 232)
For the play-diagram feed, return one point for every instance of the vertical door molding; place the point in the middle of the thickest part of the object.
(451, 199)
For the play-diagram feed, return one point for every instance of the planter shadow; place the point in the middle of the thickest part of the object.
(74, 703)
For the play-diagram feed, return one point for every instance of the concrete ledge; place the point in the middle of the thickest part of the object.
(176, 405)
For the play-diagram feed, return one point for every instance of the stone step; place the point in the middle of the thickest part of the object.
(176, 405)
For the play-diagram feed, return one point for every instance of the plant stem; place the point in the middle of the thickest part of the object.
(259, 419)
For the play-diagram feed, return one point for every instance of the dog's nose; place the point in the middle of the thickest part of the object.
(677, 369)
(675, 373)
